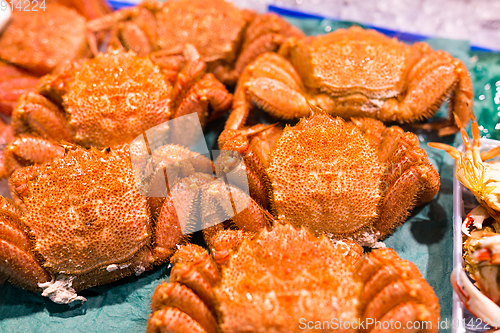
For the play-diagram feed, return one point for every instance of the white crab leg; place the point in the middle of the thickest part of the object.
(477, 303)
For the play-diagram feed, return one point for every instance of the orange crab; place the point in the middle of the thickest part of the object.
(109, 100)
(355, 73)
(82, 221)
(287, 280)
(358, 180)
(480, 177)
(25, 50)
(228, 38)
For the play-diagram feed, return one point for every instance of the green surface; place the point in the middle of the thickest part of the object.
(425, 239)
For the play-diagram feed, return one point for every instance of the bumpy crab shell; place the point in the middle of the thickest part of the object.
(109, 100)
(82, 222)
(285, 278)
(358, 180)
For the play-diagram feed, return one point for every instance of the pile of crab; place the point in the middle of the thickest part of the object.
(108, 180)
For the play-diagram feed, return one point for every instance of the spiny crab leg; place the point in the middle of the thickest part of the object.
(470, 168)
(477, 303)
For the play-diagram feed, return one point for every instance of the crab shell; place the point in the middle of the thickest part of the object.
(30, 46)
(25, 40)
(228, 38)
(284, 278)
(355, 73)
(358, 180)
(82, 222)
(109, 100)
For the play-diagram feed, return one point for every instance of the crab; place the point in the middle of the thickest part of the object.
(480, 228)
(355, 73)
(356, 180)
(228, 38)
(481, 242)
(82, 219)
(26, 54)
(110, 100)
(481, 178)
(287, 280)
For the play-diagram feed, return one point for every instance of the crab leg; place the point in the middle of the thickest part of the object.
(37, 113)
(172, 320)
(206, 92)
(223, 242)
(106, 22)
(17, 265)
(29, 150)
(192, 72)
(253, 87)
(395, 290)
(417, 181)
(266, 33)
(256, 173)
(438, 74)
(477, 303)
(189, 296)
(243, 210)
(175, 295)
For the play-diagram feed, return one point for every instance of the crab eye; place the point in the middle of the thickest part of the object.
(107, 150)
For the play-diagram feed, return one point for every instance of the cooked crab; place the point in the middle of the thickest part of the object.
(228, 38)
(355, 73)
(358, 180)
(481, 178)
(109, 100)
(82, 221)
(481, 243)
(30, 47)
(481, 229)
(285, 278)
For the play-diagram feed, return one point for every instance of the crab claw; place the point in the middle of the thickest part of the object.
(476, 218)
(477, 303)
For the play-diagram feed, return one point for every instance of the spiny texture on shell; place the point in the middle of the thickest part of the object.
(314, 279)
(355, 60)
(324, 173)
(84, 212)
(115, 97)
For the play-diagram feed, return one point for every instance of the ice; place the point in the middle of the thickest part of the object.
(477, 21)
